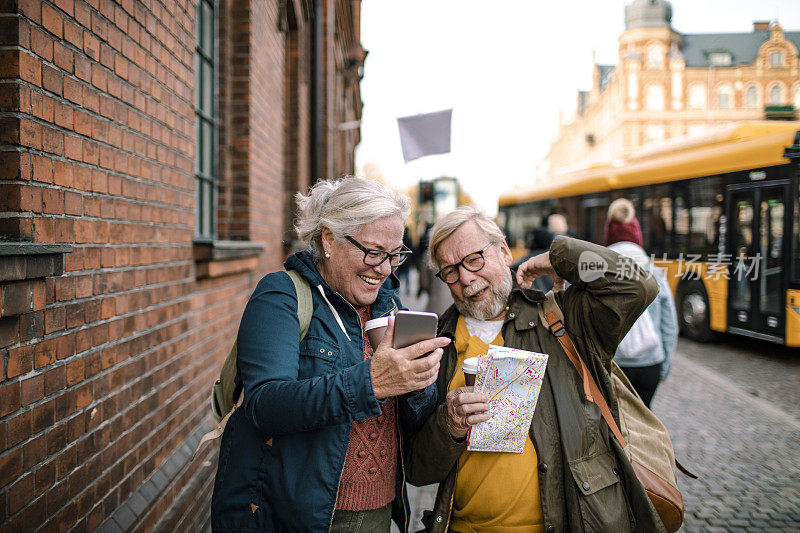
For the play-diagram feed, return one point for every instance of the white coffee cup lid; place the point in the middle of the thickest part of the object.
(379, 322)
(470, 365)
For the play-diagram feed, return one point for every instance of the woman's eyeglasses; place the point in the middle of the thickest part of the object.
(375, 258)
(472, 262)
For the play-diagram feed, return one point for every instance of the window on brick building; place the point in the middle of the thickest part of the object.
(654, 97)
(724, 97)
(797, 96)
(775, 95)
(697, 96)
(205, 119)
(655, 56)
(719, 59)
(751, 97)
(776, 59)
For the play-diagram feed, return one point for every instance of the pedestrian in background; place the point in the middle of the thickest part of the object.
(651, 342)
(316, 443)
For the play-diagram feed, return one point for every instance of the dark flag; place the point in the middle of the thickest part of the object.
(425, 134)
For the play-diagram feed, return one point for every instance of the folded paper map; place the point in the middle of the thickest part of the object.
(512, 378)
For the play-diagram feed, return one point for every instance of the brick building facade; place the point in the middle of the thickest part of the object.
(668, 85)
(149, 153)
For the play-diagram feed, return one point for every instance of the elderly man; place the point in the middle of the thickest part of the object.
(572, 474)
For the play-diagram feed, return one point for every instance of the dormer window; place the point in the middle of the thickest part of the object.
(776, 59)
(720, 59)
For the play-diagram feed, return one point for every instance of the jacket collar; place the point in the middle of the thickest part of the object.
(304, 264)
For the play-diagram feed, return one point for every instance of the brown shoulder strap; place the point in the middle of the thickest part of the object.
(590, 389)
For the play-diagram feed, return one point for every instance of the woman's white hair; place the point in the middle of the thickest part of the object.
(344, 206)
(449, 223)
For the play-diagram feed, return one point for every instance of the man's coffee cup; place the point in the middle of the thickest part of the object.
(375, 329)
(470, 368)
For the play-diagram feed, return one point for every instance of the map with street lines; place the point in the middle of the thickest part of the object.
(512, 378)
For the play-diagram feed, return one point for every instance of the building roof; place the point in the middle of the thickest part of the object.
(743, 47)
(606, 75)
(648, 14)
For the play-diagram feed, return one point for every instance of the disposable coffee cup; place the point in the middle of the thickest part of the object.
(470, 368)
(375, 329)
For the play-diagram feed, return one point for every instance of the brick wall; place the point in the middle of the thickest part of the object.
(113, 322)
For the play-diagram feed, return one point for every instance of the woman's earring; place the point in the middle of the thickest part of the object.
(327, 255)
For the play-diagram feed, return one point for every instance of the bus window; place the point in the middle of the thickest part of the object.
(796, 261)
(771, 253)
(680, 214)
(742, 240)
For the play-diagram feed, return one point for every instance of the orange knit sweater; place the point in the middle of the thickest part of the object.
(370, 467)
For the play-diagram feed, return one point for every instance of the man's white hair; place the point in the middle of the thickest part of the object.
(449, 223)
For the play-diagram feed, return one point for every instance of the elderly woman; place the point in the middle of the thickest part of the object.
(317, 444)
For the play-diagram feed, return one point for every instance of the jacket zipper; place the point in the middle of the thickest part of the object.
(402, 466)
(341, 473)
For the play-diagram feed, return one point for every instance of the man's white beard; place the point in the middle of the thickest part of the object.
(490, 308)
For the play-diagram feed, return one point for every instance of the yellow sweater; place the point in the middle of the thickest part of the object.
(495, 492)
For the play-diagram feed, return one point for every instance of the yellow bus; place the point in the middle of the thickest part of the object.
(720, 212)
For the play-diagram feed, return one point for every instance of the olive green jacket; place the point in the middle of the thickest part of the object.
(585, 480)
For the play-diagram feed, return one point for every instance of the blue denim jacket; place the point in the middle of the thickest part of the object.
(283, 450)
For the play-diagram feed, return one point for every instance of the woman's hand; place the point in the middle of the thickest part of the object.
(464, 408)
(537, 266)
(396, 372)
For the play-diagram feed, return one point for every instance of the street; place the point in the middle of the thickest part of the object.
(733, 410)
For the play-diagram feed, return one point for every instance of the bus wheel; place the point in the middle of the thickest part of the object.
(693, 311)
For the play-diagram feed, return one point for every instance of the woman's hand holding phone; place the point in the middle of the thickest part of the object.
(398, 371)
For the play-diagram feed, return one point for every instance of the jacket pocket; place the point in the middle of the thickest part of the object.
(317, 356)
(601, 495)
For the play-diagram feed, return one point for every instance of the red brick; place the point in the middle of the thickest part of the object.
(62, 173)
(73, 147)
(53, 201)
(30, 134)
(30, 199)
(43, 230)
(75, 315)
(73, 203)
(33, 451)
(54, 319)
(41, 44)
(65, 346)
(83, 68)
(9, 398)
(30, 68)
(32, 389)
(52, 80)
(20, 493)
(108, 308)
(44, 416)
(91, 45)
(63, 115)
(52, 140)
(20, 360)
(31, 9)
(83, 123)
(42, 168)
(63, 57)
(67, 6)
(74, 371)
(18, 428)
(73, 34)
(65, 230)
(45, 477)
(73, 90)
(10, 466)
(44, 353)
(42, 106)
(55, 379)
(52, 20)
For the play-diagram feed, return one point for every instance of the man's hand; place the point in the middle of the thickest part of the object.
(464, 408)
(396, 372)
(537, 266)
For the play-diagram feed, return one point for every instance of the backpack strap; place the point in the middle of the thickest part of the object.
(551, 314)
(305, 305)
(305, 308)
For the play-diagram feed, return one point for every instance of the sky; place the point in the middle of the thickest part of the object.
(507, 68)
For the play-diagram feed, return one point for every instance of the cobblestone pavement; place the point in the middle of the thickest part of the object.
(733, 411)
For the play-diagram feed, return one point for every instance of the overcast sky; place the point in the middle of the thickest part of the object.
(506, 68)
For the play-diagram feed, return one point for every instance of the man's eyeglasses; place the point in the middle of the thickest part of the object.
(375, 258)
(472, 262)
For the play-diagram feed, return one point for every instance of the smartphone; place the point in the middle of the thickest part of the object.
(411, 327)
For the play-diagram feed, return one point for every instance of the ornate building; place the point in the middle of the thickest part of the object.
(667, 84)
